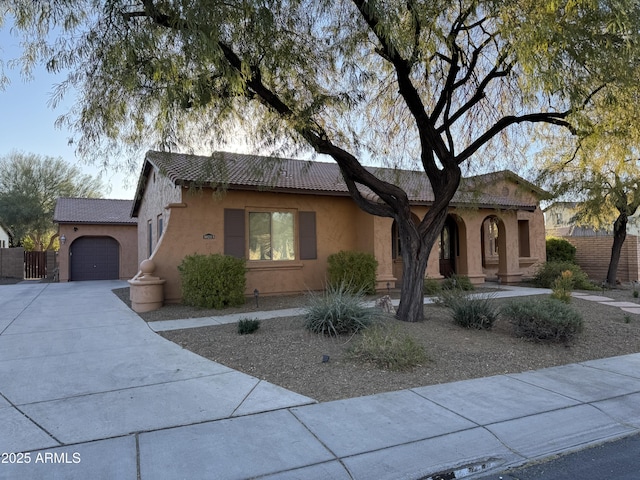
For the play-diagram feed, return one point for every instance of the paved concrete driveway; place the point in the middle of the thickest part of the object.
(77, 365)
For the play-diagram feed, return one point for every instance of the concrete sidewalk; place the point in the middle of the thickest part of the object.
(87, 390)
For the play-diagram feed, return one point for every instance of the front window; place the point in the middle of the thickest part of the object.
(271, 236)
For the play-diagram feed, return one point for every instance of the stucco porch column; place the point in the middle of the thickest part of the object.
(473, 245)
(509, 271)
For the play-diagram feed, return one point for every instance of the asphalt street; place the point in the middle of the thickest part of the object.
(618, 460)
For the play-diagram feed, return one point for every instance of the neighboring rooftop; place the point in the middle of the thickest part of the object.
(94, 210)
(236, 171)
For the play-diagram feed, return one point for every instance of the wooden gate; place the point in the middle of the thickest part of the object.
(35, 264)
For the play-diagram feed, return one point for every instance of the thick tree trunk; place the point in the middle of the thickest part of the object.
(414, 266)
(619, 236)
(416, 248)
(417, 241)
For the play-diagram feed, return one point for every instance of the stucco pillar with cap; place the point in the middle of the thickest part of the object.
(146, 291)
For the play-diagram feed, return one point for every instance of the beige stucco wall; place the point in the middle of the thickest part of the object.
(159, 193)
(125, 235)
(340, 225)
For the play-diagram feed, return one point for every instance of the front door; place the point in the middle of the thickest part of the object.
(447, 248)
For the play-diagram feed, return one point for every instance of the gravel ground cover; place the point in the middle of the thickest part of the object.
(284, 353)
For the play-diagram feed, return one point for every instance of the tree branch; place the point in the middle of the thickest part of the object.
(353, 172)
(429, 139)
(504, 122)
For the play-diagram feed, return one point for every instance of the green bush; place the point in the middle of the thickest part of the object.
(547, 319)
(560, 250)
(387, 348)
(460, 282)
(338, 311)
(355, 269)
(550, 271)
(212, 281)
(248, 325)
(431, 286)
(562, 286)
(470, 311)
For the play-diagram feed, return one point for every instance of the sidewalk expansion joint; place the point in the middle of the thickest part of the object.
(23, 310)
(124, 389)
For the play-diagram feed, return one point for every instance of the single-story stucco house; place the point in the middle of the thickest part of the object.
(285, 217)
(98, 239)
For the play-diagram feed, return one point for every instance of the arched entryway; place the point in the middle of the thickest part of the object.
(94, 258)
(494, 251)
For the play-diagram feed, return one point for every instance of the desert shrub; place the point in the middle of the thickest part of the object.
(562, 286)
(549, 271)
(545, 319)
(213, 281)
(460, 282)
(431, 286)
(560, 250)
(357, 270)
(470, 311)
(248, 325)
(387, 348)
(338, 311)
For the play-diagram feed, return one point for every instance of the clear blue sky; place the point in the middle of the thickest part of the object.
(27, 122)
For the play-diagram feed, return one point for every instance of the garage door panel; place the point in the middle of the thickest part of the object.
(95, 258)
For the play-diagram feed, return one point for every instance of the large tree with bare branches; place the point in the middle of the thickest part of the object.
(433, 83)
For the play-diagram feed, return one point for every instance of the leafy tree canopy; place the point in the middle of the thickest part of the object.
(600, 167)
(357, 72)
(29, 188)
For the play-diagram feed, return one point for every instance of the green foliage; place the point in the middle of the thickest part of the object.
(356, 270)
(213, 281)
(560, 250)
(248, 325)
(543, 320)
(470, 310)
(550, 271)
(431, 286)
(338, 311)
(460, 282)
(635, 293)
(387, 348)
(562, 287)
(30, 186)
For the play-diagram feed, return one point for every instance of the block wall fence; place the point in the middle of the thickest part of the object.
(593, 255)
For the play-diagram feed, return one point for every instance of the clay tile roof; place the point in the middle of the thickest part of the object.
(94, 210)
(243, 171)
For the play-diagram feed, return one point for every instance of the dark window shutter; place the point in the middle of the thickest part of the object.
(307, 235)
(234, 232)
